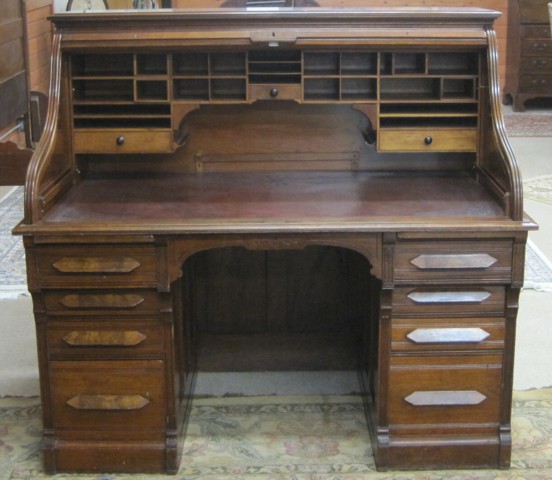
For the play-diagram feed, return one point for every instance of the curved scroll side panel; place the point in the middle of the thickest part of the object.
(506, 154)
(42, 159)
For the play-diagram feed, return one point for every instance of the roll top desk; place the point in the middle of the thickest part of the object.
(376, 132)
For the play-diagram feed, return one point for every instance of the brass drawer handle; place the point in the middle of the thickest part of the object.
(107, 402)
(448, 335)
(448, 398)
(449, 261)
(108, 338)
(96, 265)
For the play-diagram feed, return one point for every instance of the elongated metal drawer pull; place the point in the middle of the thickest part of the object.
(107, 402)
(106, 301)
(448, 335)
(448, 262)
(445, 398)
(449, 297)
(111, 338)
(96, 265)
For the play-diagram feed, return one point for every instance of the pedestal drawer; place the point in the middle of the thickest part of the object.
(108, 395)
(438, 334)
(102, 302)
(454, 262)
(444, 392)
(93, 265)
(465, 301)
(104, 338)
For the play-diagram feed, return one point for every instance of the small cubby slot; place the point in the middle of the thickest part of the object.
(227, 64)
(155, 90)
(453, 63)
(321, 89)
(109, 65)
(274, 66)
(191, 64)
(191, 89)
(151, 64)
(410, 88)
(112, 90)
(359, 63)
(321, 63)
(358, 88)
(458, 88)
(228, 89)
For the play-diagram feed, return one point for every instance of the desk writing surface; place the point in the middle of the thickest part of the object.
(221, 199)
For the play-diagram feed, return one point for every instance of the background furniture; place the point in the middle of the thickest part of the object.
(529, 53)
(324, 180)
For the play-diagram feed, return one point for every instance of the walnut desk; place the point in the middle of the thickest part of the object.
(376, 133)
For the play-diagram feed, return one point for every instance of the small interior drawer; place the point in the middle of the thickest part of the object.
(123, 141)
(97, 338)
(453, 262)
(93, 265)
(275, 92)
(476, 301)
(445, 390)
(108, 395)
(447, 334)
(427, 140)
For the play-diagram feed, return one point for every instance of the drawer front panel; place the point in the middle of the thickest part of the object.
(276, 91)
(92, 265)
(427, 140)
(537, 46)
(539, 65)
(445, 390)
(108, 395)
(101, 338)
(470, 301)
(440, 334)
(536, 31)
(536, 83)
(453, 262)
(123, 141)
(102, 302)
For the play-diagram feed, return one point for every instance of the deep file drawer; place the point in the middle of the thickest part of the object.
(108, 395)
(447, 392)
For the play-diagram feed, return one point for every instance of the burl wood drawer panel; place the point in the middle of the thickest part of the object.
(457, 262)
(427, 140)
(439, 334)
(102, 302)
(93, 265)
(471, 300)
(444, 391)
(536, 46)
(123, 141)
(111, 395)
(104, 338)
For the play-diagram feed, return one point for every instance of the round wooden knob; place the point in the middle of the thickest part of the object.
(428, 140)
(120, 140)
(274, 92)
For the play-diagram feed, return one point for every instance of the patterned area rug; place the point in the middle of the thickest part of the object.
(539, 189)
(283, 438)
(534, 124)
(13, 280)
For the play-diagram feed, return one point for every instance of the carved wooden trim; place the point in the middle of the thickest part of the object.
(448, 335)
(108, 300)
(107, 402)
(115, 338)
(96, 265)
(453, 261)
(449, 297)
(445, 398)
